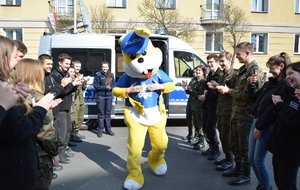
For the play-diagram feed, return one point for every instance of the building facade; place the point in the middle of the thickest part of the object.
(274, 25)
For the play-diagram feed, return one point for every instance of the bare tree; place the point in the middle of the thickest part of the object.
(233, 23)
(159, 15)
(102, 18)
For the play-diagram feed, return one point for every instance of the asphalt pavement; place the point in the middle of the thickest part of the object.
(100, 163)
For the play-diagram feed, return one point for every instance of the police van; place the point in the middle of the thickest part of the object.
(179, 59)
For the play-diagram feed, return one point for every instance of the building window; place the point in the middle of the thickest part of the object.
(214, 42)
(11, 2)
(116, 3)
(14, 34)
(259, 42)
(297, 6)
(260, 5)
(166, 4)
(213, 9)
(297, 44)
(65, 7)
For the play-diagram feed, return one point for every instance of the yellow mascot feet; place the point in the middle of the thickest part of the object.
(157, 163)
(134, 182)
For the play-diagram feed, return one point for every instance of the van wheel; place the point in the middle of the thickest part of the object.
(89, 124)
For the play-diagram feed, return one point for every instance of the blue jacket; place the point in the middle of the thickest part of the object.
(100, 86)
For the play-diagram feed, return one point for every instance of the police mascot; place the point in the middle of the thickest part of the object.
(142, 85)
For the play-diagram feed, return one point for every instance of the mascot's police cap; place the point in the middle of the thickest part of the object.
(134, 44)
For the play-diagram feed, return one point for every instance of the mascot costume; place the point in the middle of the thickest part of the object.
(142, 86)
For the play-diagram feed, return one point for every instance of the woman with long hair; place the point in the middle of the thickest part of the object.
(19, 161)
(259, 134)
(31, 73)
(104, 82)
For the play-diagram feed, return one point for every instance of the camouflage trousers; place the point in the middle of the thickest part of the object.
(197, 120)
(225, 133)
(77, 116)
(239, 140)
(189, 119)
(45, 173)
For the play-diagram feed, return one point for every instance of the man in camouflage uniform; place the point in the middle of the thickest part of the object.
(241, 118)
(224, 109)
(78, 103)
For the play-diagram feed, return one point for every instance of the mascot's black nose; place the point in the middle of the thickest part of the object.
(140, 60)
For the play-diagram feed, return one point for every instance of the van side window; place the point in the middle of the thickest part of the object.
(185, 62)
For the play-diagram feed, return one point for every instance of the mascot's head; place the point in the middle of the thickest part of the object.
(141, 58)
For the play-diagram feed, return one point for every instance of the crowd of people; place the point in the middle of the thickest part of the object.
(253, 117)
(42, 110)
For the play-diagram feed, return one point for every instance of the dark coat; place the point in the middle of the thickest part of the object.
(211, 97)
(100, 86)
(284, 141)
(19, 159)
(52, 86)
(263, 99)
(66, 94)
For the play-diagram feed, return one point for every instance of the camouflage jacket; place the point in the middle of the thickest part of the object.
(46, 140)
(242, 105)
(197, 87)
(77, 95)
(224, 105)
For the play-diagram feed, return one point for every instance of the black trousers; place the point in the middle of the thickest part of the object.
(64, 128)
(209, 121)
(285, 173)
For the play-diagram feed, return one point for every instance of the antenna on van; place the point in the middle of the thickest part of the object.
(85, 17)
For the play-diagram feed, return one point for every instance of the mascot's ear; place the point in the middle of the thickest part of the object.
(142, 32)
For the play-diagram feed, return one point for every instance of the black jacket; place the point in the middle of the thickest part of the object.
(263, 99)
(52, 86)
(18, 160)
(211, 98)
(66, 94)
(284, 141)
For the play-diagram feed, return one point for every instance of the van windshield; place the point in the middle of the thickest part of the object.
(185, 62)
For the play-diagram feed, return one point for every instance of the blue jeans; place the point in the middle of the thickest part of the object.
(257, 155)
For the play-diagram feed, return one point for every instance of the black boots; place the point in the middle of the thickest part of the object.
(78, 135)
(234, 172)
(244, 178)
(225, 164)
(74, 138)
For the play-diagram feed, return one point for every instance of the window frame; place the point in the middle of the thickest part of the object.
(213, 42)
(14, 3)
(297, 6)
(260, 3)
(116, 4)
(14, 33)
(257, 42)
(214, 13)
(297, 44)
(167, 5)
(67, 8)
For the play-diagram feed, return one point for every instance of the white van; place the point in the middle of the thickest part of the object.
(179, 59)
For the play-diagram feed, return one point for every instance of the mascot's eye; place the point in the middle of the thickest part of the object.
(144, 53)
(132, 56)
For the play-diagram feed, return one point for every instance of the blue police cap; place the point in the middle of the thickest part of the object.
(134, 44)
